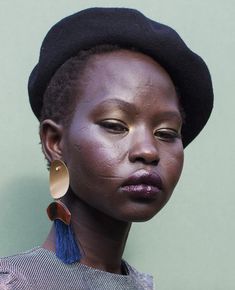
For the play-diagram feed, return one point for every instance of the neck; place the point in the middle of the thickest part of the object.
(101, 238)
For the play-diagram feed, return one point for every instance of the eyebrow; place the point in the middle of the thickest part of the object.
(121, 104)
(127, 107)
(171, 114)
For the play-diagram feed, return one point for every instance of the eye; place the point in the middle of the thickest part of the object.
(167, 134)
(114, 126)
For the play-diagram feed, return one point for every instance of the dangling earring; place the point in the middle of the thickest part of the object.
(66, 247)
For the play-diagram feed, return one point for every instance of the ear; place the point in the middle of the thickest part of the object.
(51, 135)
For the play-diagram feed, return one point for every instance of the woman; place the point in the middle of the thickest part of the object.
(118, 97)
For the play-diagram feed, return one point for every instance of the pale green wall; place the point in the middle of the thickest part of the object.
(190, 244)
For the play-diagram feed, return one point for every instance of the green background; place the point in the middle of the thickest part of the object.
(190, 243)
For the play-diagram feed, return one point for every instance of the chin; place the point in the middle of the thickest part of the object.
(141, 218)
(141, 215)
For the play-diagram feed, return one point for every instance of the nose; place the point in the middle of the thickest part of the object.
(143, 148)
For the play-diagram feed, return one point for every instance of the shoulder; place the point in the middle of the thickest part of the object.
(146, 280)
(12, 269)
(40, 269)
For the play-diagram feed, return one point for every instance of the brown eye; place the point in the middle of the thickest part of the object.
(114, 126)
(168, 135)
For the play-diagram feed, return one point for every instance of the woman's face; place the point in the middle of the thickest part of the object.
(123, 147)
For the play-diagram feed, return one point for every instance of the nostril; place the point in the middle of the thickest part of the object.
(155, 162)
(145, 161)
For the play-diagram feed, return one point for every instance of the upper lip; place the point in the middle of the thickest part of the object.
(144, 177)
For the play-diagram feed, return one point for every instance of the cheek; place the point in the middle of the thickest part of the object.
(93, 158)
(171, 166)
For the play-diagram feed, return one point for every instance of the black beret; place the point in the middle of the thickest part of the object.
(127, 28)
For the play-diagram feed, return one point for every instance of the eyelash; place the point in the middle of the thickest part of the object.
(168, 135)
(114, 126)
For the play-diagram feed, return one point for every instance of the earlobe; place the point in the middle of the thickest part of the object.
(51, 134)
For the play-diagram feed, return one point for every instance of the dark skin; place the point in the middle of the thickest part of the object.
(126, 120)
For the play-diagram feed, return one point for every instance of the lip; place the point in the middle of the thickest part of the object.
(143, 185)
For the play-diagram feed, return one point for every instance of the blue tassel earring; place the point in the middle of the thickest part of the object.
(67, 249)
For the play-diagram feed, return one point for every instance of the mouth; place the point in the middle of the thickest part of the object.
(143, 185)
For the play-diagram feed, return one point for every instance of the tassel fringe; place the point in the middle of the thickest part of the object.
(67, 249)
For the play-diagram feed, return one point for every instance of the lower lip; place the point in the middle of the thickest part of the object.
(141, 191)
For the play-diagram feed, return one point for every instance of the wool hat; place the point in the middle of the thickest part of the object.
(127, 28)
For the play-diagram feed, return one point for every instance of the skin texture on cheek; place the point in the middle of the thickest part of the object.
(98, 155)
(172, 168)
(94, 161)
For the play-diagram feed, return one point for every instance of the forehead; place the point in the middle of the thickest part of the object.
(126, 67)
(126, 75)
